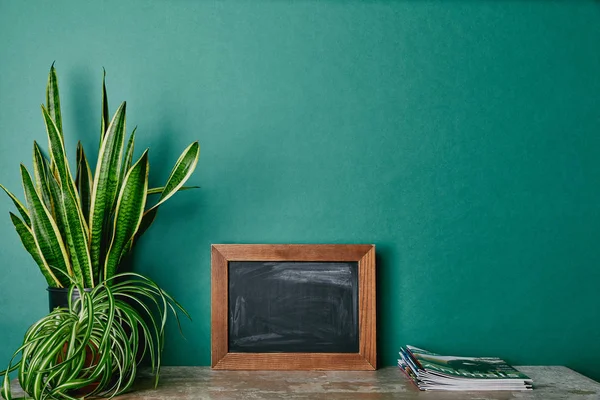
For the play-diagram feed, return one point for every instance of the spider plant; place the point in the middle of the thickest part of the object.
(83, 226)
(92, 347)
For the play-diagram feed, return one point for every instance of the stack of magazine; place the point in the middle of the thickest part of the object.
(430, 371)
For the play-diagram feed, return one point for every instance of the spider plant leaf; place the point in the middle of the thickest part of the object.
(20, 207)
(83, 181)
(46, 353)
(105, 117)
(133, 296)
(32, 247)
(128, 214)
(44, 228)
(183, 169)
(160, 190)
(105, 324)
(140, 292)
(5, 390)
(105, 188)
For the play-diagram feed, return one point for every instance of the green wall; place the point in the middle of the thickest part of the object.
(461, 137)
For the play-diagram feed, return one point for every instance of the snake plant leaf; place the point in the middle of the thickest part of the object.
(59, 157)
(104, 190)
(128, 214)
(58, 154)
(160, 190)
(126, 166)
(83, 181)
(20, 207)
(42, 174)
(58, 212)
(128, 156)
(77, 238)
(32, 248)
(105, 117)
(44, 229)
(77, 229)
(53, 106)
(60, 219)
(53, 99)
(183, 169)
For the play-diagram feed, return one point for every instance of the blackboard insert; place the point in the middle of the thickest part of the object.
(290, 306)
(293, 307)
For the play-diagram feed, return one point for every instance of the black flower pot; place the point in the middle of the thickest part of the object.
(59, 297)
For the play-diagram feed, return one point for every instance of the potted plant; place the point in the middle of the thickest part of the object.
(78, 230)
(93, 346)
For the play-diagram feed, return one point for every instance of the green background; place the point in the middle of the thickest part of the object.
(459, 137)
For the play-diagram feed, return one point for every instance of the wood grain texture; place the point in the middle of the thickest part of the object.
(365, 359)
(294, 361)
(389, 383)
(218, 326)
(292, 252)
(367, 308)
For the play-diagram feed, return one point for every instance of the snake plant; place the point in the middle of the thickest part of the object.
(80, 228)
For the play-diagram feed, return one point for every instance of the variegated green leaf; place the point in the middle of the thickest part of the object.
(160, 190)
(128, 214)
(78, 241)
(59, 216)
(5, 389)
(31, 246)
(44, 228)
(53, 99)
(54, 195)
(58, 154)
(128, 156)
(105, 189)
(83, 181)
(62, 222)
(105, 117)
(53, 107)
(183, 169)
(41, 174)
(77, 232)
(20, 207)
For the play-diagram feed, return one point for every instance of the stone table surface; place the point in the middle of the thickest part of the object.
(196, 383)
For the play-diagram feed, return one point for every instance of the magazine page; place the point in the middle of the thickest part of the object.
(473, 368)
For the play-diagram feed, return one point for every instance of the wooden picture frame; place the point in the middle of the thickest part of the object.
(222, 358)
